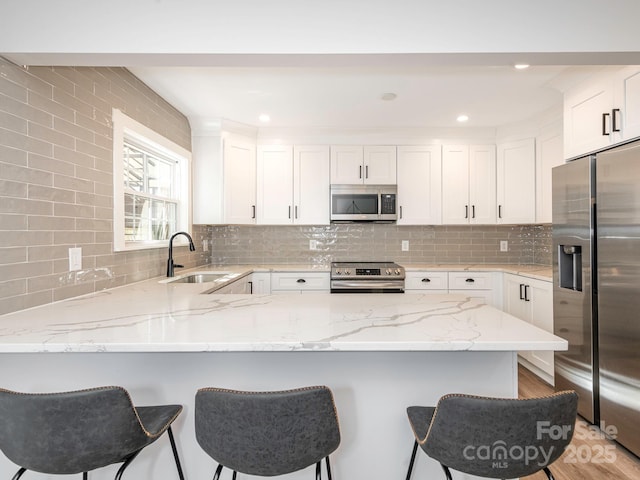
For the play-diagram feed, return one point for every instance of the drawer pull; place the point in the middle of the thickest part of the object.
(426, 280)
(301, 280)
(470, 280)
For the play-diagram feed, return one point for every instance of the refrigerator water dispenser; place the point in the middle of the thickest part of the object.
(570, 267)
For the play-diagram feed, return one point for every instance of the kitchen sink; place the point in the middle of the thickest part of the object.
(198, 278)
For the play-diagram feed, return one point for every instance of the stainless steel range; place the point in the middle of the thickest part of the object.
(367, 277)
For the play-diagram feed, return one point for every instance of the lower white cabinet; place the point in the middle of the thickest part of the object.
(478, 286)
(300, 282)
(261, 282)
(483, 287)
(241, 285)
(426, 282)
(532, 301)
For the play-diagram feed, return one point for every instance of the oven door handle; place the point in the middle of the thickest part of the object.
(367, 284)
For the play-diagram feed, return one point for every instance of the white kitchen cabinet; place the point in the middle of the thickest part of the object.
(239, 165)
(549, 154)
(241, 285)
(300, 282)
(419, 174)
(426, 282)
(311, 185)
(293, 185)
(531, 300)
(373, 165)
(275, 185)
(626, 98)
(261, 282)
(516, 182)
(468, 184)
(602, 111)
(482, 287)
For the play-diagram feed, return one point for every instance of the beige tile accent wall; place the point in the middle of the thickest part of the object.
(429, 244)
(56, 185)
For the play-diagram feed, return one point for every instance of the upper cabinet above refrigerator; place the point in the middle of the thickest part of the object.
(602, 111)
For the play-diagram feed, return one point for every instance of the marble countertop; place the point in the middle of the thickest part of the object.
(155, 316)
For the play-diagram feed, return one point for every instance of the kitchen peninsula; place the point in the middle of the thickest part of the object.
(378, 353)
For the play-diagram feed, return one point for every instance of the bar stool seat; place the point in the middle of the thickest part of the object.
(267, 433)
(494, 437)
(79, 431)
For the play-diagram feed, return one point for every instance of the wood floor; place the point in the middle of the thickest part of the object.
(588, 457)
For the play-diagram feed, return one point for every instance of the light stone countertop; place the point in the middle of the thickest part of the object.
(154, 316)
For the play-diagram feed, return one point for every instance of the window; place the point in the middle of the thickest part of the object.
(151, 186)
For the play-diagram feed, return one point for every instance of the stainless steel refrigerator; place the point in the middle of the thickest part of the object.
(596, 236)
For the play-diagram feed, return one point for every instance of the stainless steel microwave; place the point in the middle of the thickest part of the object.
(364, 203)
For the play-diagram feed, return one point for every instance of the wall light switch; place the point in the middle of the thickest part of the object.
(405, 245)
(504, 246)
(75, 259)
(313, 244)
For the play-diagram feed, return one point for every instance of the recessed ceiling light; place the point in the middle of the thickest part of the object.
(521, 66)
(462, 118)
(264, 118)
(389, 96)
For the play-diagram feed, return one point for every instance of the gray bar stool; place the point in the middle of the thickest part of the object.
(79, 431)
(495, 437)
(267, 433)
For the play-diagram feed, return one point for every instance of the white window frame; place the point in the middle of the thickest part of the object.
(125, 127)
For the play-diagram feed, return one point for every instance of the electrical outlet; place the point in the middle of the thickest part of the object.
(504, 246)
(405, 245)
(75, 259)
(205, 245)
(313, 244)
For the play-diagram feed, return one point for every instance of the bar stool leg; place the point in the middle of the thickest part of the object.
(175, 453)
(413, 459)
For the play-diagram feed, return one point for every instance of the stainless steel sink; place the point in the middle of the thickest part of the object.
(198, 278)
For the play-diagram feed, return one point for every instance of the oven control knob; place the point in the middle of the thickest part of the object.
(338, 272)
(347, 272)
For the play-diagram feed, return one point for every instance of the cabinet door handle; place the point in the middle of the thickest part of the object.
(470, 280)
(289, 212)
(426, 280)
(250, 287)
(473, 211)
(499, 211)
(360, 174)
(526, 293)
(253, 210)
(301, 280)
(521, 291)
(466, 211)
(366, 171)
(604, 124)
(295, 212)
(615, 113)
(400, 211)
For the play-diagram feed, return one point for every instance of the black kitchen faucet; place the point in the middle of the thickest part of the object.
(170, 264)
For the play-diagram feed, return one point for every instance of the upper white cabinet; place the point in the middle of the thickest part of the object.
(239, 166)
(602, 111)
(419, 185)
(374, 165)
(293, 185)
(469, 184)
(549, 154)
(516, 182)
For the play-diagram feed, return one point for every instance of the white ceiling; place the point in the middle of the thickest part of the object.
(350, 96)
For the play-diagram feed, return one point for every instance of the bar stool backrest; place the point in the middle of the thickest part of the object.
(500, 438)
(69, 432)
(267, 433)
